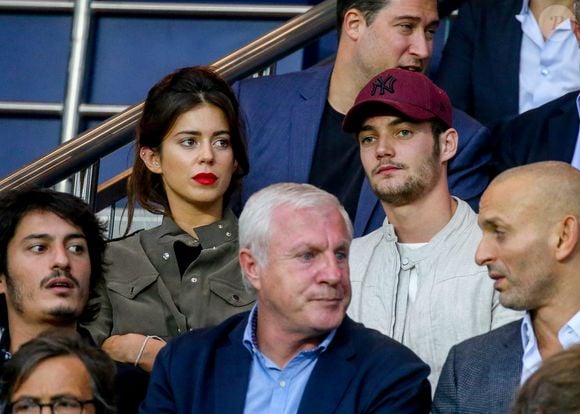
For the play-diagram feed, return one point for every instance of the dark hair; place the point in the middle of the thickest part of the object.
(437, 128)
(15, 204)
(368, 8)
(554, 388)
(54, 344)
(174, 95)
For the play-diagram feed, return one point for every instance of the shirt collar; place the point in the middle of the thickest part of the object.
(5, 355)
(250, 339)
(524, 11)
(209, 236)
(527, 331)
(572, 326)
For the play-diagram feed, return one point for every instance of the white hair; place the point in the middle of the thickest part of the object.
(255, 223)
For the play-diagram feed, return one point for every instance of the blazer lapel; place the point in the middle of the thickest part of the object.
(562, 132)
(232, 373)
(506, 379)
(305, 123)
(331, 375)
(506, 49)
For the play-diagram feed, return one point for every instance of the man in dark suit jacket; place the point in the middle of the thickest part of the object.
(295, 352)
(480, 64)
(549, 132)
(288, 116)
(531, 248)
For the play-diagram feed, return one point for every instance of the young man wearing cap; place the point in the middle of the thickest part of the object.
(293, 121)
(415, 278)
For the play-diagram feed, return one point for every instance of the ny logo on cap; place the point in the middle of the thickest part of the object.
(383, 84)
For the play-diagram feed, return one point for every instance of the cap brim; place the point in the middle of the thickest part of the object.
(363, 110)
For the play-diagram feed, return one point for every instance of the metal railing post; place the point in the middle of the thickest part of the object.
(74, 89)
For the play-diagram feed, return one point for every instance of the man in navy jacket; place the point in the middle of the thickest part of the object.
(296, 351)
(294, 121)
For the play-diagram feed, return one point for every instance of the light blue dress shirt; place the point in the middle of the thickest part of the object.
(576, 158)
(271, 389)
(548, 68)
(568, 335)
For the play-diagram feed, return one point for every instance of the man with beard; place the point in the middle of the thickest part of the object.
(294, 121)
(530, 217)
(415, 278)
(51, 258)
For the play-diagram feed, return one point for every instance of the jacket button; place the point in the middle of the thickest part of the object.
(236, 298)
(194, 280)
(165, 256)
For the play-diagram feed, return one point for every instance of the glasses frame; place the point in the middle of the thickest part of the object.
(40, 405)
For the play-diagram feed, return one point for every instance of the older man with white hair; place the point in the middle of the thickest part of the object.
(296, 351)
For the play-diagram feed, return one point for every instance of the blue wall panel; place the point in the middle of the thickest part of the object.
(23, 140)
(127, 55)
(34, 52)
(132, 54)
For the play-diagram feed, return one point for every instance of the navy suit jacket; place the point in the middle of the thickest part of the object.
(207, 371)
(547, 133)
(480, 65)
(283, 114)
(481, 375)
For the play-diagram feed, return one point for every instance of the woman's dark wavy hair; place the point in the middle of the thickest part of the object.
(15, 204)
(172, 96)
(52, 344)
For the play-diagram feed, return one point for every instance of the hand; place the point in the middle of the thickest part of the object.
(125, 348)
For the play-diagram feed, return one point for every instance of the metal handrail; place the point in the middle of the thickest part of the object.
(117, 131)
(172, 9)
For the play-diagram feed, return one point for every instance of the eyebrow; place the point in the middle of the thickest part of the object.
(493, 222)
(198, 133)
(51, 399)
(416, 19)
(47, 236)
(394, 122)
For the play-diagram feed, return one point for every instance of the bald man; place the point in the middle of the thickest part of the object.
(530, 219)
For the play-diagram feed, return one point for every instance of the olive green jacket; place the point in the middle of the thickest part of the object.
(145, 293)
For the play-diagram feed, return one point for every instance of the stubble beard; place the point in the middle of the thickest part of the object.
(528, 297)
(60, 315)
(413, 188)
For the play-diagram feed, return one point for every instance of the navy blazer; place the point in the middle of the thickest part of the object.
(481, 375)
(207, 371)
(282, 116)
(547, 133)
(480, 65)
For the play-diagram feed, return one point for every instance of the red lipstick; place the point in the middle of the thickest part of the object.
(205, 178)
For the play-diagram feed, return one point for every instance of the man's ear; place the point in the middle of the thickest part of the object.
(567, 234)
(448, 142)
(353, 24)
(251, 269)
(151, 159)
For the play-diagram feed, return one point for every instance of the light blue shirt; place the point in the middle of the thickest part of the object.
(576, 158)
(275, 390)
(548, 68)
(568, 336)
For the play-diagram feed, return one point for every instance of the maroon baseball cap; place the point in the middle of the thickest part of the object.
(410, 93)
